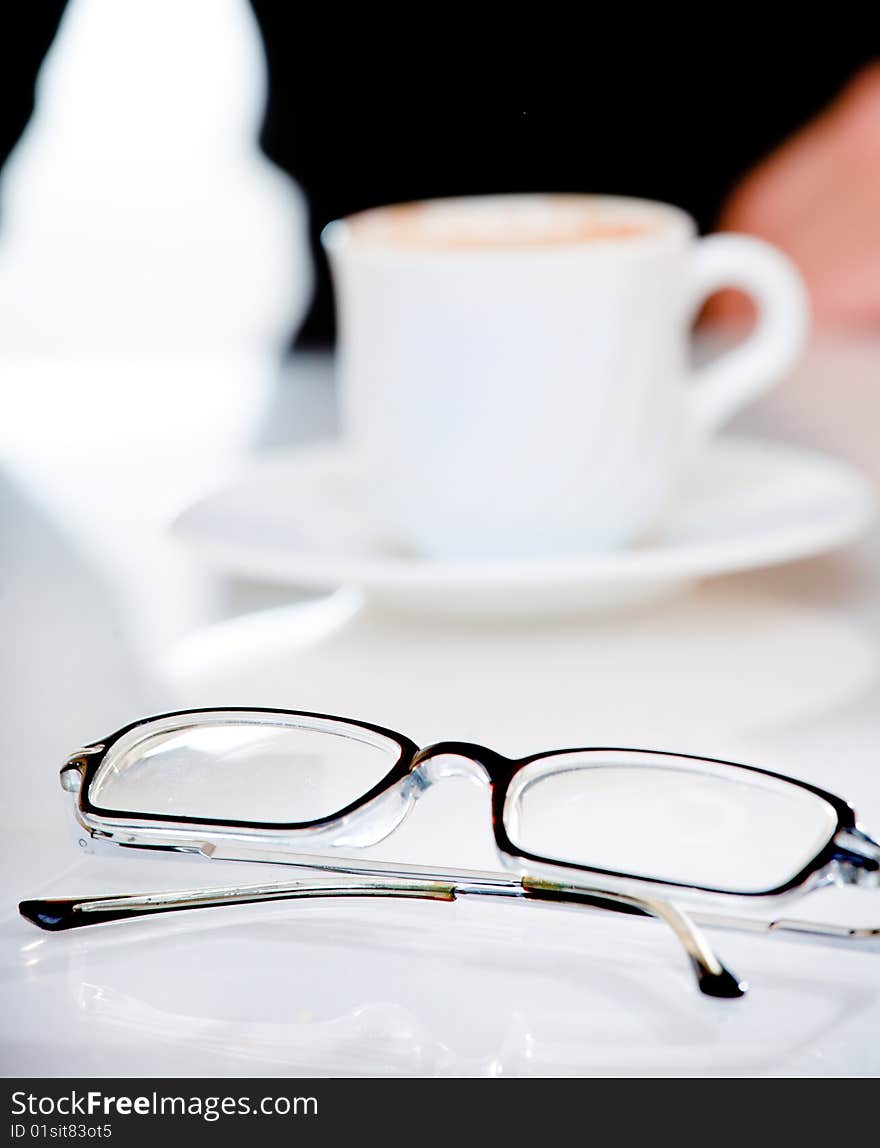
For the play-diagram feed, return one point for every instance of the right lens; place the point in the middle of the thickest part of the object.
(676, 819)
(247, 767)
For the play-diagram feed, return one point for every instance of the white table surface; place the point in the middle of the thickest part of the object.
(103, 619)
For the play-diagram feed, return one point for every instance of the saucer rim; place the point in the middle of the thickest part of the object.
(652, 560)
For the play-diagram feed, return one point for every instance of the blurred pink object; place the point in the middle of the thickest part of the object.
(818, 198)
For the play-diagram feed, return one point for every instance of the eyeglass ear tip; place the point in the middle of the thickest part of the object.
(723, 985)
(53, 916)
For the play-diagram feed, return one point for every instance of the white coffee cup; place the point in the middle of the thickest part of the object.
(515, 372)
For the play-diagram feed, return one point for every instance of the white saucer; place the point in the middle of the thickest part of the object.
(293, 517)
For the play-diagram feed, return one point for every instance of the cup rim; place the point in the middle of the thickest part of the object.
(341, 238)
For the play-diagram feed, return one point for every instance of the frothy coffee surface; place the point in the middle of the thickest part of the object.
(499, 223)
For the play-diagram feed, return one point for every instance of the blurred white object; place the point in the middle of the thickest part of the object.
(295, 517)
(515, 375)
(153, 264)
(137, 210)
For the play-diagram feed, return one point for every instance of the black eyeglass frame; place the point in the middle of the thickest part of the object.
(840, 859)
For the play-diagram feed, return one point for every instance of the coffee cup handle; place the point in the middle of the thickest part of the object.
(737, 376)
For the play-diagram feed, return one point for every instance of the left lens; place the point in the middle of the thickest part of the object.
(666, 817)
(239, 766)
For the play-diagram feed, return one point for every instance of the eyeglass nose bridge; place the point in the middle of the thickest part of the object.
(467, 759)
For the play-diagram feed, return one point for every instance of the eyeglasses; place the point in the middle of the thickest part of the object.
(623, 830)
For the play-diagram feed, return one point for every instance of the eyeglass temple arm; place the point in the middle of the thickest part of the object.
(789, 928)
(61, 914)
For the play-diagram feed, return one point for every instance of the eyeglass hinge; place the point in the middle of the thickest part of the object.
(857, 858)
(73, 769)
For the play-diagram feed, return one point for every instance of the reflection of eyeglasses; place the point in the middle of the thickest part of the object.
(616, 829)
